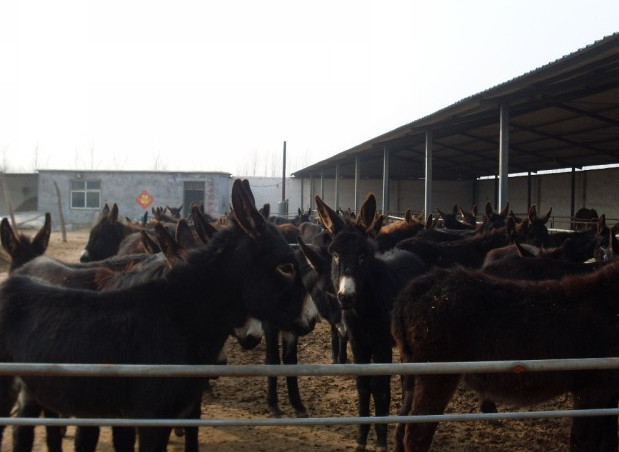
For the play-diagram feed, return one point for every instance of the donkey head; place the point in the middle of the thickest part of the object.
(350, 249)
(536, 231)
(105, 236)
(267, 267)
(317, 279)
(20, 247)
(606, 243)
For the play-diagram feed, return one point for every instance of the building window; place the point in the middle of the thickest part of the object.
(85, 194)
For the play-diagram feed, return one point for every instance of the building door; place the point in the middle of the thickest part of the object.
(193, 193)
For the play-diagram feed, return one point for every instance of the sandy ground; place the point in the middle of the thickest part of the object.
(245, 397)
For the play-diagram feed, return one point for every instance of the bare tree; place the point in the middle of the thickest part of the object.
(35, 157)
(159, 164)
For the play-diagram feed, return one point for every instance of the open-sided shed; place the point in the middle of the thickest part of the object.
(562, 115)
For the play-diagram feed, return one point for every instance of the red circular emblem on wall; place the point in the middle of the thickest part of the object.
(144, 199)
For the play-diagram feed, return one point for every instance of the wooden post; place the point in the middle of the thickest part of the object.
(7, 198)
(61, 216)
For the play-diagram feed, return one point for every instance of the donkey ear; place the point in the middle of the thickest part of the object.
(151, 246)
(204, 229)
(10, 241)
(113, 217)
(169, 247)
(522, 251)
(367, 212)
(184, 236)
(246, 215)
(41, 239)
(266, 210)
(547, 216)
(329, 217)
(489, 210)
(315, 261)
(532, 213)
(454, 210)
(408, 216)
(248, 190)
(104, 212)
(503, 212)
(376, 226)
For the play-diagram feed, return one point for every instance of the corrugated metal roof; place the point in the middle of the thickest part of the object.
(562, 114)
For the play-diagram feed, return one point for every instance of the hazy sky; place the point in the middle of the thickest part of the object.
(220, 85)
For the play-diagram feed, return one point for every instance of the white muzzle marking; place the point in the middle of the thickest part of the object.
(347, 286)
(309, 313)
(251, 328)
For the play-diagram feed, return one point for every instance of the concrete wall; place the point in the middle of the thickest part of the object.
(123, 188)
(594, 189)
(21, 192)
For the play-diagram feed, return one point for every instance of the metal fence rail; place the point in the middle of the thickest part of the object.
(149, 371)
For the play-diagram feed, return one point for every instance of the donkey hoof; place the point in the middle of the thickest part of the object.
(275, 412)
(360, 448)
(302, 413)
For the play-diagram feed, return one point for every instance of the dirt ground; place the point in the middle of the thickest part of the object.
(245, 397)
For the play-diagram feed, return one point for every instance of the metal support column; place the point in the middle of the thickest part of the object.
(337, 186)
(529, 190)
(357, 176)
(312, 191)
(427, 202)
(302, 208)
(385, 207)
(503, 155)
(573, 194)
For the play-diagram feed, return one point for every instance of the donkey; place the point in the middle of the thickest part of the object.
(450, 220)
(454, 315)
(366, 286)
(390, 234)
(469, 251)
(106, 235)
(105, 276)
(215, 289)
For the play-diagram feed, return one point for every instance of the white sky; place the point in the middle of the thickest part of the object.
(220, 85)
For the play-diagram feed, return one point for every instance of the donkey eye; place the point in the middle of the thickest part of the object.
(286, 270)
(362, 258)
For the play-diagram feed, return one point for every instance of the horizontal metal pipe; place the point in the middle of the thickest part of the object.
(258, 370)
(453, 417)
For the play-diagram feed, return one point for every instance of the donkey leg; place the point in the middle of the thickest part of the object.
(8, 396)
(153, 439)
(191, 433)
(364, 394)
(407, 384)
(597, 433)
(53, 434)
(123, 439)
(342, 350)
(432, 393)
(290, 344)
(335, 345)
(23, 435)
(381, 391)
(86, 439)
(271, 340)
